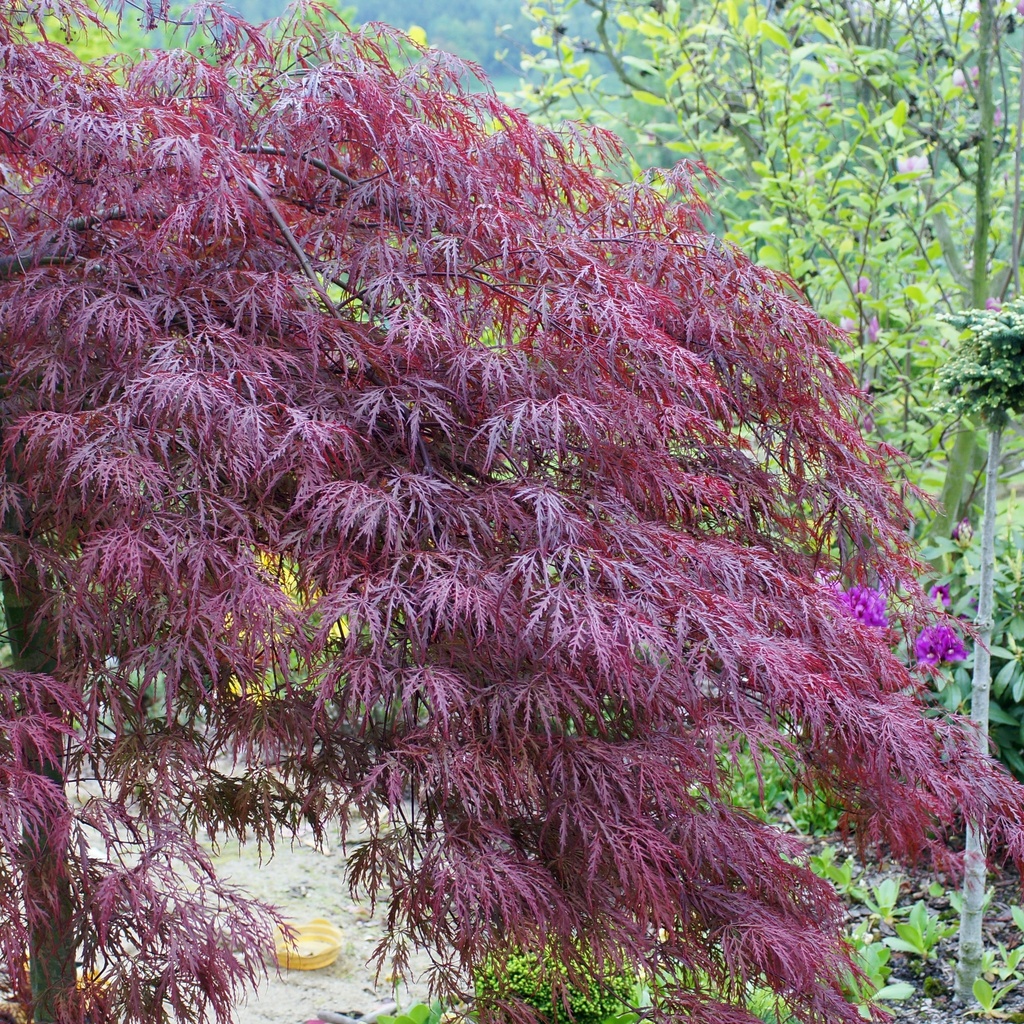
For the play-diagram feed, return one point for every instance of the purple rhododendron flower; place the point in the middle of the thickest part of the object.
(940, 594)
(936, 644)
(865, 604)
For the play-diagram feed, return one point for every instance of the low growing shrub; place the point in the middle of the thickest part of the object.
(542, 983)
(766, 789)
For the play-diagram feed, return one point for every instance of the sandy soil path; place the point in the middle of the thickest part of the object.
(303, 884)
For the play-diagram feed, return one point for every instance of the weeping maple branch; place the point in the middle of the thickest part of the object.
(12, 266)
(311, 275)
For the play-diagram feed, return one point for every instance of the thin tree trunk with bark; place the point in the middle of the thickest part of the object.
(968, 965)
(47, 885)
(971, 943)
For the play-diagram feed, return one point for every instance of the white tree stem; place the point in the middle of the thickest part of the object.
(971, 945)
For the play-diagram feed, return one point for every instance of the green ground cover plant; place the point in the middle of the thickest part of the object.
(766, 789)
(544, 985)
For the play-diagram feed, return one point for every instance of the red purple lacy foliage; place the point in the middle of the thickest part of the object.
(548, 470)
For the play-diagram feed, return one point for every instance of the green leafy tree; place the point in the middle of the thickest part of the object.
(867, 152)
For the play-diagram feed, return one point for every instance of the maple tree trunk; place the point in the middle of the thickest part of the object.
(971, 943)
(46, 881)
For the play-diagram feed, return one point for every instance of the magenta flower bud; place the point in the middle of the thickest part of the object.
(993, 304)
(863, 286)
(874, 329)
(1020, 8)
(940, 595)
(997, 116)
(962, 533)
(848, 324)
(959, 79)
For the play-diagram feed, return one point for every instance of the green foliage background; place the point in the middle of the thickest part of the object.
(845, 144)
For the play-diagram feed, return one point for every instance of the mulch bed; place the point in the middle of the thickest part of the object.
(933, 980)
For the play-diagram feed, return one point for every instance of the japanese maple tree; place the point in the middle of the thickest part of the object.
(370, 450)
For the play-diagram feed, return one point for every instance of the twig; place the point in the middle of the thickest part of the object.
(92, 219)
(293, 244)
(11, 265)
(315, 161)
(307, 269)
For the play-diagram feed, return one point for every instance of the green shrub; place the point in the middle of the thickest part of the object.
(767, 791)
(526, 977)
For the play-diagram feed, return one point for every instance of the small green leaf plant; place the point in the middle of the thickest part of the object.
(844, 876)
(882, 900)
(1007, 964)
(765, 788)
(921, 933)
(872, 960)
(989, 997)
(420, 1013)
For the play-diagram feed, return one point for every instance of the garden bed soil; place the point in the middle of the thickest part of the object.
(933, 980)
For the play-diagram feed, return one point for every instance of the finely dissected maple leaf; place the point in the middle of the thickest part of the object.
(366, 438)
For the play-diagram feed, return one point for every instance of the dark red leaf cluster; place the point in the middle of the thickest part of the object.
(369, 449)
